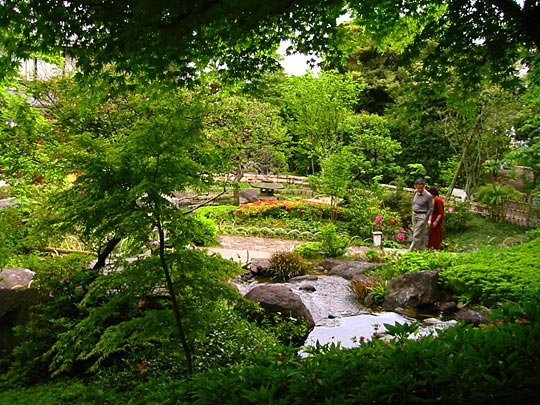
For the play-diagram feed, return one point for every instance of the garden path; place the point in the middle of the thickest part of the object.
(244, 248)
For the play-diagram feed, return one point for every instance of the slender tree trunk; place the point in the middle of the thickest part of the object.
(235, 183)
(102, 256)
(176, 309)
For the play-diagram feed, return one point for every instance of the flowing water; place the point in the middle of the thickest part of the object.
(338, 316)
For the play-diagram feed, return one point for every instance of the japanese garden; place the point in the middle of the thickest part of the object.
(135, 136)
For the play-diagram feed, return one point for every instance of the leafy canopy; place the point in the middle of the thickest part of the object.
(240, 36)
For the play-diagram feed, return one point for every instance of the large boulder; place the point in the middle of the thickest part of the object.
(15, 278)
(16, 301)
(351, 269)
(277, 298)
(474, 316)
(412, 290)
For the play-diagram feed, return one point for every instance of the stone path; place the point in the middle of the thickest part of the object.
(244, 248)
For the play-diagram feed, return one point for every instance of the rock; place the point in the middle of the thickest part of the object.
(350, 270)
(366, 280)
(249, 195)
(329, 264)
(275, 298)
(308, 288)
(448, 307)
(474, 316)
(412, 290)
(431, 321)
(15, 305)
(16, 278)
(259, 265)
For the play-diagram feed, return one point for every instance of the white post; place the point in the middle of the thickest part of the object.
(377, 238)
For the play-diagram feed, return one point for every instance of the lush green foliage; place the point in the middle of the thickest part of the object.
(62, 283)
(92, 323)
(332, 245)
(462, 363)
(329, 244)
(480, 232)
(205, 231)
(309, 250)
(497, 197)
(457, 216)
(470, 363)
(366, 213)
(490, 276)
(316, 109)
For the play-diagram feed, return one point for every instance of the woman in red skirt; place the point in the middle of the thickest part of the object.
(435, 229)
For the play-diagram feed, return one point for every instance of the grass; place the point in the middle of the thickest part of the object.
(484, 232)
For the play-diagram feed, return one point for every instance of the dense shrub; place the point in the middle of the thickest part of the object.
(329, 244)
(18, 235)
(281, 209)
(457, 216)
(366, 213)
(204, 231)
(62, 282)
(216, 212)
(414, 261)
(497, 197)
(333, 245)
(493, 275)
(309, 250)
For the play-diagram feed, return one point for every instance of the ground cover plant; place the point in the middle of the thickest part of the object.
(489, 276)
(495, 362)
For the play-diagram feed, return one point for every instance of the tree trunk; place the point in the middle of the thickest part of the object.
(176, 308)
(104, 254)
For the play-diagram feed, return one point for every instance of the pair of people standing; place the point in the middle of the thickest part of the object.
(426, 204)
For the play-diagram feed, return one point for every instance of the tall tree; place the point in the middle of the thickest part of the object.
(474, 38)
(131, 148)
(316, 107)
(249, 133)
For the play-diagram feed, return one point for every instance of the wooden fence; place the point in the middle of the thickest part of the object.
(517, 213)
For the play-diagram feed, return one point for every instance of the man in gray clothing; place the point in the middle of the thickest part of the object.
(422, 208)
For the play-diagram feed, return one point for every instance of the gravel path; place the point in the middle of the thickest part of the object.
(245, 248)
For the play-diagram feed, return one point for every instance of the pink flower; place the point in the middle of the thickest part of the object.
(402, 229)
(400, 236)
(450, 209)
(378, 218)
(393, 221)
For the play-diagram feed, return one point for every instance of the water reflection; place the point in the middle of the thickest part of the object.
(348, 331)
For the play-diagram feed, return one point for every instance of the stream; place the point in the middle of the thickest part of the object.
(338, 316)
